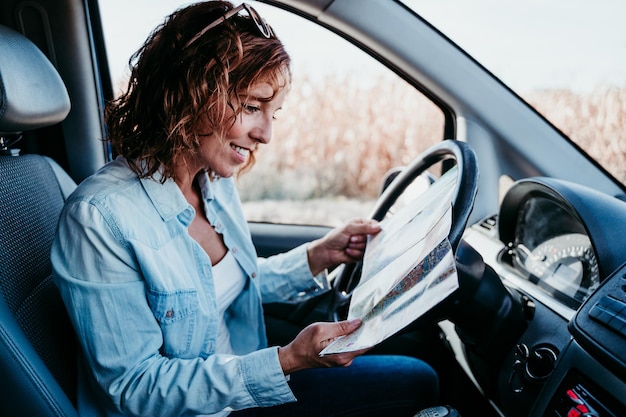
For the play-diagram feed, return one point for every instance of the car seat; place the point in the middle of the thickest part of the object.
(37, 343)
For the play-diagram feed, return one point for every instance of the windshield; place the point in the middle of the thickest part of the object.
(566, 58)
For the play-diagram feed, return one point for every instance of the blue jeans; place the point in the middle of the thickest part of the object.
(372, 386)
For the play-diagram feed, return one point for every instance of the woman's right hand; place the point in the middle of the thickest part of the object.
(303, 351)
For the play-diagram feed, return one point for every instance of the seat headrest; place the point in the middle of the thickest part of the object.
(32, 93)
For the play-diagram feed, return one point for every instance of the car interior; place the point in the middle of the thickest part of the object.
(34, 188)
(537, 326)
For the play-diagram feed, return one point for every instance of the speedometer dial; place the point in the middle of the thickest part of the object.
(566, 266)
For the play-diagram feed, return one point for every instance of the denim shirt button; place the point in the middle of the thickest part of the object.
(234, 250)
(253, 275)
(169, 314)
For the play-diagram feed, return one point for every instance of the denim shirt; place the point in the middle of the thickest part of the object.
(139, 291)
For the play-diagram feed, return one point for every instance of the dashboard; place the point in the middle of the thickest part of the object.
(559, 248)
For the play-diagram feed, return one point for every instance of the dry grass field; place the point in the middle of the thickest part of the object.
(338, 138)
(595, 121)
(335, 140)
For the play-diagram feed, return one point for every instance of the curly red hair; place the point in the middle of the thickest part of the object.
(173, 88)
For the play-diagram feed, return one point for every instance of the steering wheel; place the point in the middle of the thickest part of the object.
(462, 204)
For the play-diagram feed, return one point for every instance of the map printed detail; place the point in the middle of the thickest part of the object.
(406, 281)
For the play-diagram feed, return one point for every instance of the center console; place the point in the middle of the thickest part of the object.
(590, 377)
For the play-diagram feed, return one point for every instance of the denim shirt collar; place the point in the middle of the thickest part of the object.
(204, 182)
(168, 199)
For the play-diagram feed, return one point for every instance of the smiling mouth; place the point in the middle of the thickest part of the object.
(243, 152)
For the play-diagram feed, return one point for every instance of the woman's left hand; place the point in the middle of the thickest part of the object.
(340, 245)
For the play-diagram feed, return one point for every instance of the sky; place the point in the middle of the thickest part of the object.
(530, 44)
(579, 43)
(130, 31)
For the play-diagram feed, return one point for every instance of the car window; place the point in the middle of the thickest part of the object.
(346, 121)
(566, 58)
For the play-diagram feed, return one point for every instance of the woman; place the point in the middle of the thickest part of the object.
(155, 262)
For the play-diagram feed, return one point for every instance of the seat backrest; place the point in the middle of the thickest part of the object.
(37, 343)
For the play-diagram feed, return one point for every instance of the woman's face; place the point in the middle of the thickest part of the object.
(252, 127)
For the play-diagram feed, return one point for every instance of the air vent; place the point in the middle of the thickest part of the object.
(611, 313)
(489, 224)
(599, 326)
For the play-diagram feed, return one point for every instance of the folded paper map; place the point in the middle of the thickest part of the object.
(408, 268)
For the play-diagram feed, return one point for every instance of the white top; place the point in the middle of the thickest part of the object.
(228, 280)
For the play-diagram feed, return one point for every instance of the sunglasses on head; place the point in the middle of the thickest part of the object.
(264, 29)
